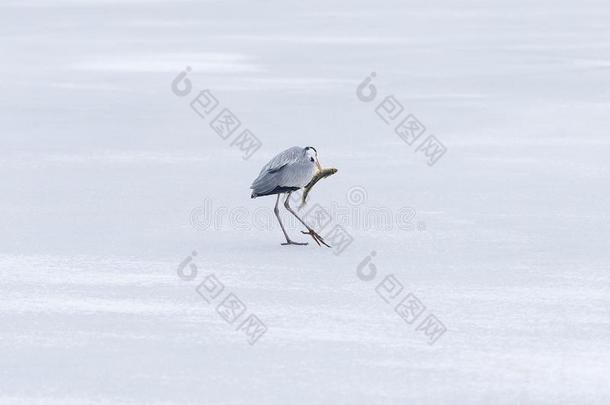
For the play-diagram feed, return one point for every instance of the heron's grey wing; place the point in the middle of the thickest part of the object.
(271, 176)
(295, 174)
(268, 181)
(290, 155)
(277, 169)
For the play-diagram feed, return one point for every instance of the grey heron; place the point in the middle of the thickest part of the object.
(287, 172)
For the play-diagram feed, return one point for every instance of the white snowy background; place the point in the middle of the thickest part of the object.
(102, 167)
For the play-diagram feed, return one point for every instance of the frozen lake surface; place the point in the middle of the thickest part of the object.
(110, 181)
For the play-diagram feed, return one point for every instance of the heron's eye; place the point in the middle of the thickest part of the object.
(311, 159)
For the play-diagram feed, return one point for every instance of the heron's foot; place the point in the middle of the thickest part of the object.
(294, 243)
(317, 238)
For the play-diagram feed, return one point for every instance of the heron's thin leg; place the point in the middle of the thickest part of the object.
(317, 238)
(276, 210)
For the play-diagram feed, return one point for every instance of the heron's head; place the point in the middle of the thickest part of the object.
(312, 155)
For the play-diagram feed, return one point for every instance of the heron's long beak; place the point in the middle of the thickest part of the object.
(318, 165)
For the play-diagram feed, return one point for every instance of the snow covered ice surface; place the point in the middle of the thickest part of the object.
(109, 181)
